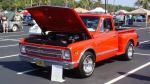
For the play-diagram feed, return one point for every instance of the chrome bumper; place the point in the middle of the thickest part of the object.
(66, 65)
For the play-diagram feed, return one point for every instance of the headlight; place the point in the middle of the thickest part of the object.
(66, 55)
(22, 49)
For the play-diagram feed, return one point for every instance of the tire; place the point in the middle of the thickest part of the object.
(129, 52)
(85, 70)
(15, 28)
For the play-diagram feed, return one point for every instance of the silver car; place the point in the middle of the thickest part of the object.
(13, 26)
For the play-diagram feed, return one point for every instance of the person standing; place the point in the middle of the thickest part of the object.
(17, 18)
(4, 24)
(1, 14)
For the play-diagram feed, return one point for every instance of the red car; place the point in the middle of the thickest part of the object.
(75, 41)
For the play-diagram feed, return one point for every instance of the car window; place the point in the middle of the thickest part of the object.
(102, 26)
(106, 25)
(91, 22)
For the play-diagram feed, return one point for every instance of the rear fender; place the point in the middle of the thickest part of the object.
(123, 45)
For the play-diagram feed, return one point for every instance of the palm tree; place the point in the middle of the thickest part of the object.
(144, 3)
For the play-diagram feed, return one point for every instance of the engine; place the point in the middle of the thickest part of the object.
(57, 38)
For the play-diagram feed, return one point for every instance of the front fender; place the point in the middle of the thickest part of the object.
(79, 48)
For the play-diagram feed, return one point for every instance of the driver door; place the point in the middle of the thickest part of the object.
(107, 44)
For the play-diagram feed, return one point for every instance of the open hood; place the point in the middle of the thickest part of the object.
(58, 19)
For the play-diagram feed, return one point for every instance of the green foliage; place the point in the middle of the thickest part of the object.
(112, 8)
(87, 4)
(143, 3)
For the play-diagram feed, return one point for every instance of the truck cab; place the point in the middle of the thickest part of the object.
(75, 41)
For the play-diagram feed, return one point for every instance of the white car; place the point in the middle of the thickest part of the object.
(35, 29)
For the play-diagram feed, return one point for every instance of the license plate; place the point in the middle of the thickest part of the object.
(40, 63)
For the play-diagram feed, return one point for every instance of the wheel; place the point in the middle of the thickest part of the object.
(129, 52)
(86, 65)
(15, 28)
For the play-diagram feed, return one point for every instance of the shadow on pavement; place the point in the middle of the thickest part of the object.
(20, 66)
(137, 76)
(17, 66)
(145, 46)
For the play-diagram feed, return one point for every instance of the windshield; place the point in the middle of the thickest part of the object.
(91, 22)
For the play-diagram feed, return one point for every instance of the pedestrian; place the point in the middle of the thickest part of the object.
(1, 13)
(17, 18)
(4, 24)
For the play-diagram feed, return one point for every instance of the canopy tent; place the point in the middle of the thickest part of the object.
(81, 10)
(98, 10)
(140, 11)
(121, 12)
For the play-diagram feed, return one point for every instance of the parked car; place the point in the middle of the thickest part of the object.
(28, 20)
(12, 24)
(75, 41)
(35, 29)
(140, 19)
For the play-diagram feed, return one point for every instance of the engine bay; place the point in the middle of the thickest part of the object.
(57, 38)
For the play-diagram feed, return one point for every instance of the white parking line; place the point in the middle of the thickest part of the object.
(19, 73)
(13, 35)
(9, 56)
(144, 41)
(142, 54)
(142, 28)
(128, 73)
(9, 40)
(12, 32)
(9, 46)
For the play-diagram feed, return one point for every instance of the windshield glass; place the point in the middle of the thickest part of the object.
(91, 22)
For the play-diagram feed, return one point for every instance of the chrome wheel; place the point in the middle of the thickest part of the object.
(130, 51)
(88, 65)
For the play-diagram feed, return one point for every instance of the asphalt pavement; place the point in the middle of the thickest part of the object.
(112, 71)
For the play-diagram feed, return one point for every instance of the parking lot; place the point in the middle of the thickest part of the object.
(13, 71)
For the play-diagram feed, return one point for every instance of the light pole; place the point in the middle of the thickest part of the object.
(114, 5)
(105, 6)
(31, 3)
(66, 3)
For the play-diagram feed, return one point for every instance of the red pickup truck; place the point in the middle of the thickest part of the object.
(75, 41)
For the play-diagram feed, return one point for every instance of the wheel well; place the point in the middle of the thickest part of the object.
(92, 51)
(15, 25)
(131, 40)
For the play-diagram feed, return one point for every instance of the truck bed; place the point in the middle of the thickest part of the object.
(124, 36)
(123, 28)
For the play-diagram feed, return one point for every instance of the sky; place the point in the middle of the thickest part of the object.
(129, 3)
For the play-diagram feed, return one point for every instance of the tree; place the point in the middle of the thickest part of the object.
(89, 4)
(144, 3)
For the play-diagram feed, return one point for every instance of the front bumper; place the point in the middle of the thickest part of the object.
(66, 65)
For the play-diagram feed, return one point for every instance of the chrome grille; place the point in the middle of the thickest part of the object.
(43, 51)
